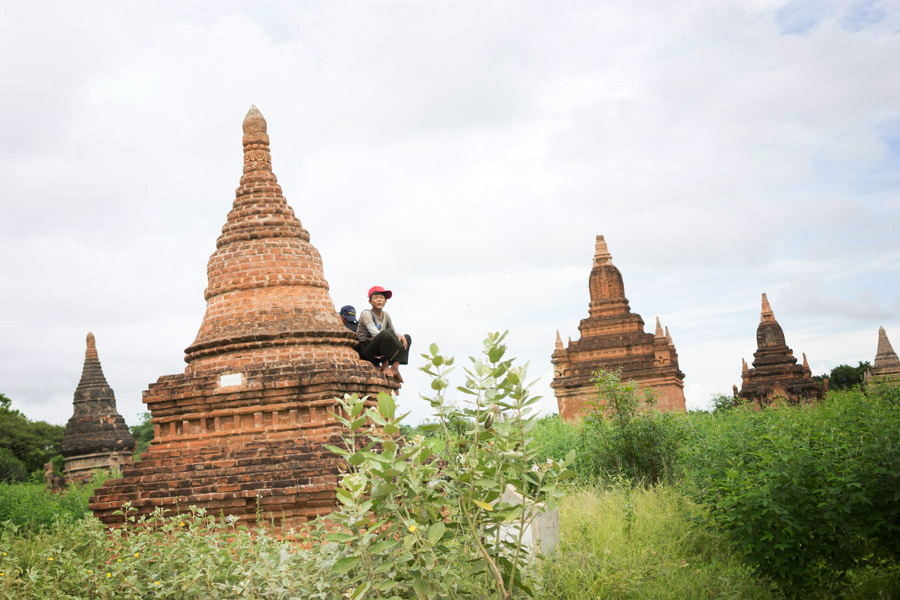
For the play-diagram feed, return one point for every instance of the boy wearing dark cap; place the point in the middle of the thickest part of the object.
(379, 343)
(348, 317)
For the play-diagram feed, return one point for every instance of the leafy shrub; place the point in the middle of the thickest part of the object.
(555, 438)
(806, 493)
(30, 506)
(11, 468)
(624, 436)
(643, 543)
(408, 525)
(142, 434)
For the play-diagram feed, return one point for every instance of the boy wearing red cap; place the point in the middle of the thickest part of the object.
(379, 343)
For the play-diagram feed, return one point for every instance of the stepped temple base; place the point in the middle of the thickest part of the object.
(241, 444)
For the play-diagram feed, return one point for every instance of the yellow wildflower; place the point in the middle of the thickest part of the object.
(90, 571)
(136, 554)
(2, 574)
(49, 558)
(181, 524)
(118, 560)
(412, 528)
(109, 574)
(157, 583)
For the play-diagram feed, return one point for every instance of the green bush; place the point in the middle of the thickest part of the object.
(409, 526)
(643, 543)
(11, 468)
(625, 437)
(554, 437)
(31, 507)
(807, 493)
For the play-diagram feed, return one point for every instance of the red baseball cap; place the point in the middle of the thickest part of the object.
(377, 289)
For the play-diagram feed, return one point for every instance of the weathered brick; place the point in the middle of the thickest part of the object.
(613, 338)
(223, 447)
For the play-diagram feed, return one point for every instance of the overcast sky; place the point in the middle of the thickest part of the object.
(722, 149)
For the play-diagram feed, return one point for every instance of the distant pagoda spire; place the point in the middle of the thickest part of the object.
(96, 435)
(775, 371)
(766, 316)
(659, 330)
(92, 378)
(886, 361)
(601, 252)
(559, 344)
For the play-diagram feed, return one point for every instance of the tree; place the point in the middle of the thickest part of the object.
(33, 443)
(142, 434)
(845, 377)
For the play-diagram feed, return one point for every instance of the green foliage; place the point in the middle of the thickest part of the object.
(189, 556)
(721, 402)
(643, 543)
(845, 377)
(31, 442)
(807, 494)
(408, 526)
(31, 507)
(624, 436)
(142, 434)
(11, 468)
(555, 438)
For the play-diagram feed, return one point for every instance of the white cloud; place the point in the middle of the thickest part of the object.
(724, 150)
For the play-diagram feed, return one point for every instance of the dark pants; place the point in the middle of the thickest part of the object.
(385, 348)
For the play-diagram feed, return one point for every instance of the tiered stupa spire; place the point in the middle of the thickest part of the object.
(775, 372)
(267, 297)
(612, 337)
(244, 429)
(96, 436)
(886, 365)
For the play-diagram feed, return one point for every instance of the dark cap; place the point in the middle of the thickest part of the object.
(349, 313)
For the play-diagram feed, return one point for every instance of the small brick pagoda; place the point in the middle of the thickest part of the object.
(887, 365)
(613, 337)
(245, 425)
(775, 372)
(96, 436)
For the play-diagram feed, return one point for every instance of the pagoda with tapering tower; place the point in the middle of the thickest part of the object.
(244, 428)
(886, 366)
(96, 436)
(613, 338)
(775, 373)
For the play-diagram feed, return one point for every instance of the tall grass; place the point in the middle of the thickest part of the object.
(31, 507)
(643, 542)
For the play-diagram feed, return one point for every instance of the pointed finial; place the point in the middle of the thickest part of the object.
(601, 252)
(659, 330)
(254, 122)
(884, 344)
(570, 340)
(91, 351)
(668, 336)
(559, 345)
(744, 368)
(767, 316)
(805, 362)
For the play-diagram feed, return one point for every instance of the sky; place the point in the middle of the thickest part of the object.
(722, 149)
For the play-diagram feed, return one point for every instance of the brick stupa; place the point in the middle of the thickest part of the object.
(245, 425)
(613, 338)
(96, 436)
(775, 372)
(887, 365)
